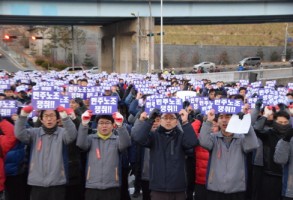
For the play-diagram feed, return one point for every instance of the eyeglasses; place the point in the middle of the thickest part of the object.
(104, 123)
(49, 116)
(169, 118)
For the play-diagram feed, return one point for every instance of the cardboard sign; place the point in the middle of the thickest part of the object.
(228, 106)
(104, 105)
(45, 100)
(7, 108)
(166, 105)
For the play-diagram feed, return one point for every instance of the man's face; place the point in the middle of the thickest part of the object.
(105, 126)
(223, 121)
(73, 104)
(212, 95)
(9, 93)
(282, 120)
(49, 119)
(83, 83)
(169, 121)
(242, 93)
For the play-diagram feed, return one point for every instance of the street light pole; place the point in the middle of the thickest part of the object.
(161, 66)
(138, 45)
(137, 40)
(150, 67)
(73, 52)
(285, 45)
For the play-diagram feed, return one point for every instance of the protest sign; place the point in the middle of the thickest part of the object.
(165, 105)
(45, 100)
(7, 108)
(228, 106)
(104, 105)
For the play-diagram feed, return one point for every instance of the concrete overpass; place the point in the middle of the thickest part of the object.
(118, 26)
(105, 12)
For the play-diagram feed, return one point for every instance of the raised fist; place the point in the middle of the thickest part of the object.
(25, 111)
(86, 117)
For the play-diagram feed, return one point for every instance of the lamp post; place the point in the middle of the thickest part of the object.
(73, 46)
(137, 41)
(150, 65)
(161, 66)
(285, 45)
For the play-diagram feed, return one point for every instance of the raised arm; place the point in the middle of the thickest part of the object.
(189, 138)
(83, 140)
(21, 133)
(70, 129)
(140, 132)
(206, 139)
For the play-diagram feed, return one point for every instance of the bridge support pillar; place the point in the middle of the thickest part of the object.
(117, 42)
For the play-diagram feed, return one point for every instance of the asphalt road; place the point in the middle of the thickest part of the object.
(6, 64)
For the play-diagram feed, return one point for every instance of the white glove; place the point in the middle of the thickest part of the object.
(70, 113)
(35, 119)
(25, 111)
(267, 112)
(118, 119)
(86, 117)
(62, 112)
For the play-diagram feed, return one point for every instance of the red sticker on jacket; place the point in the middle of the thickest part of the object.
(39, 145)
(98, 153)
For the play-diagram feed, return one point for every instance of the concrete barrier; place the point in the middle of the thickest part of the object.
(263, 74)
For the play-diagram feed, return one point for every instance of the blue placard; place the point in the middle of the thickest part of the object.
(45, 100)
(228, 106)
(256, 84)
(104, 105)
(64, 101)
(7, 108)
(166, 105)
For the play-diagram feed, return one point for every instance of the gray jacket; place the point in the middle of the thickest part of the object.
(283, 155)
(227, 166)
(102, 170)
(47, 160)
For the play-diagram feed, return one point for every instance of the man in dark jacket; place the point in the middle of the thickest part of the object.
(271, 186)
(167, 152)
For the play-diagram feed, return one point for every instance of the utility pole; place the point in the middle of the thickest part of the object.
(150, 65)
(72, 43)
(161, 66)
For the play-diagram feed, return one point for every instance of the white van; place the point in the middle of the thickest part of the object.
(250, 61)
(73, 69)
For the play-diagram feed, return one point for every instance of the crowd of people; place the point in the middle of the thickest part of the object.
(74, 153)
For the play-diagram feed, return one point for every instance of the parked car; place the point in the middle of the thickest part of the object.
(206, 66)
(291, 62)
(94, 70)
(5, 71)
(250, 61)
(73, 69)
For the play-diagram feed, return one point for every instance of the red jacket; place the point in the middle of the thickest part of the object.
(7, 142)
(201, 157)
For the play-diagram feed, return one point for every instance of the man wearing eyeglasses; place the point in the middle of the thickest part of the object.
(226, 174)
(167, 145)
(48, 159)
(104, 147)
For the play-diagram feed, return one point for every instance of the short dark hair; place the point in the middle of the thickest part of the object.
(282, 114)
(242, 88)
(108, 117)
